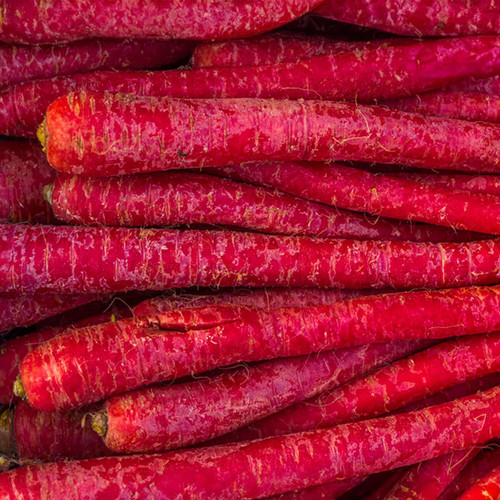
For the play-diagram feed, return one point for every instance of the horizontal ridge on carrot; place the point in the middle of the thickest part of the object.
(146, 350)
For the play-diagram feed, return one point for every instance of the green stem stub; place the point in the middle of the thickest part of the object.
(41, 134)
(100, 423)
(19, 389)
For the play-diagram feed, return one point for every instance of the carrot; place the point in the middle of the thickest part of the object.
(377, 72)
(417, 17)
(32, 22)
(389, 196)
(48, 436)
(146, 350)
(327, 491)
(472, 106)
(18, 311)
(487, 487)
(487, 459)
(385, 390)
(429, 479)
(485, 85)
(24, 171)
(23, 63)
(81, 259)
(271, 466)
(383, 483)
(164, 418)
(179, 199)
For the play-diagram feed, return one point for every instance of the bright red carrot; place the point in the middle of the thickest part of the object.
(18, 311)
(387, 389)
(146, 350)
(182, 199)
(32, 22)
(24, 171)
(486, 460)
(98, 134)
(485, 184)
(377, 72)
(417, 17)
(451, 104)
(429, 479)
(22, 63)
(164, 418)
(52, 436)
(271, 466)
(389, 196)
(487, 487)
(76, 259)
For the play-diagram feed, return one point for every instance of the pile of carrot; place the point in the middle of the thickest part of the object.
(250, 249)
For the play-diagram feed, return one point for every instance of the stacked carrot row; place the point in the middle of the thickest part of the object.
(271, 272)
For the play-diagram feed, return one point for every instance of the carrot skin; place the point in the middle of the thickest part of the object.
(484, 85)
(286, 463)
(487, 487)
(327, 491)
(190, 341)
(179, 199)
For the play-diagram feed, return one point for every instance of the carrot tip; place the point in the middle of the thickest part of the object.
(19, 388)
(99, 422)
(41, 134)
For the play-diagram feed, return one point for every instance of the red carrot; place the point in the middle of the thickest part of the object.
(272, 466)
(22, 63)
(164, 418)
(180, 199)
(98, 135)
(328, 491)
(485, 85)
(24, 171)
(387, 389)
(76, 259)
(28, 21)
(450, 104)
(146, 350)
(18, 311)
(377, 72)
(417, 17)
(48, 436)
(487, 487)
(429, 479)
(389, 196)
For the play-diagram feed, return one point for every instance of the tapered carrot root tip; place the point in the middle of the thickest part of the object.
(19, 389)
(41, 134)
(47, 193)
(99, 422)
(6, 435)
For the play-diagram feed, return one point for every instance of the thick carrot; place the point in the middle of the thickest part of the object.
(24, 171)
(485, 184)
(146, 350)
(22, 63)
(271, 466)
(44, 436)
(417, 17)
(387, 389)
(183, 199)
(81, 259)
(164, 418)
(18, 311)
(487, 487)
(472, 106)
(377, 72)
(389, 196)
(34, 22)
(487, 459)
(429, 479)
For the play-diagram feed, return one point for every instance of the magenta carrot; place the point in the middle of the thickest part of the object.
(322, 491)
(99, 260)
(146, 350)
(417, 17)
(485, 85)
(389, 196)
(22, 63)
(48, 436)
(28, 21)
(163, 418)
(24, 171)
(387, 389)
(182, 199)
(263, 299)
(429, 479)
(18, 311)
(284, 463)
(487, 487)
(80, 138)
(450, 104)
